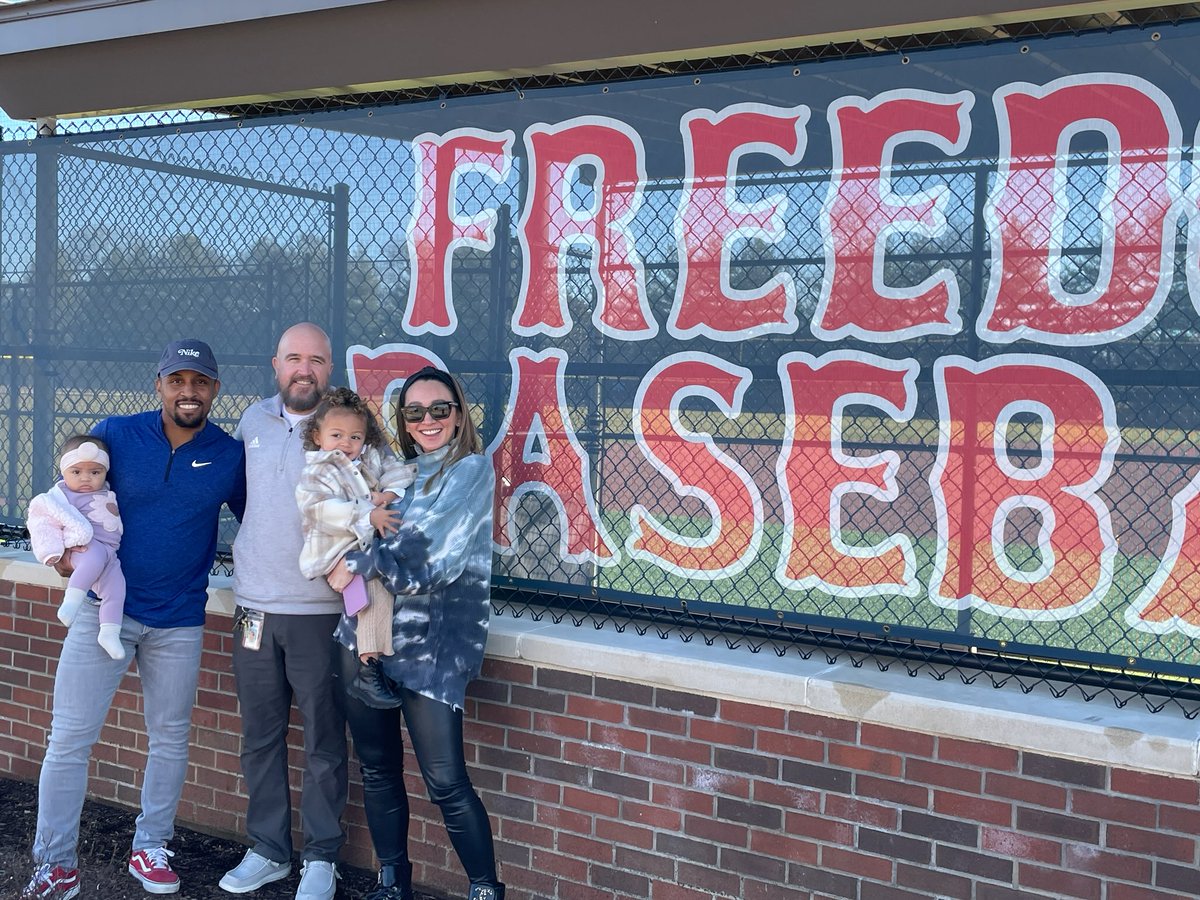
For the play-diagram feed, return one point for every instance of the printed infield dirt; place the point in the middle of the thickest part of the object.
(105, 831)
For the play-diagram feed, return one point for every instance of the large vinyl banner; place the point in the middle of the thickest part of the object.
(899, 345)
(904, 342)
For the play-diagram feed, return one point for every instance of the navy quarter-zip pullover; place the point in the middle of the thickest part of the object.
(170, 505)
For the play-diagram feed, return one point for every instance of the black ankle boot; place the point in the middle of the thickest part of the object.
(486, 892)
(372, 686)
(394, 883)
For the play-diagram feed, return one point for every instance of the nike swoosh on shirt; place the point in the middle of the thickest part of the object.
(197, 464)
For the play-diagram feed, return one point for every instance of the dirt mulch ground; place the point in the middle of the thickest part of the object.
(104, 836)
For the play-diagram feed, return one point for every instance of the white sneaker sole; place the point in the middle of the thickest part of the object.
(254, 885)
(151, 887)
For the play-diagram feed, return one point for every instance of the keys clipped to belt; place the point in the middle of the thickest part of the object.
(250, 621)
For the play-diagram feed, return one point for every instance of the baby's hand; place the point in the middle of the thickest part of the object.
(385, 521)
(382, 498)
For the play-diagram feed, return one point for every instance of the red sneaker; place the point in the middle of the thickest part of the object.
(52, 883)
(152, 869)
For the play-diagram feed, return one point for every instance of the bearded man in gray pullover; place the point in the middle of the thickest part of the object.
(283, 639)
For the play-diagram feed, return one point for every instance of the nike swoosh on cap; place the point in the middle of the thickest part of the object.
(196, 464)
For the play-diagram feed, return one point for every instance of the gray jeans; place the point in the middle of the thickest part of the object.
(168, 663)
(295, 659)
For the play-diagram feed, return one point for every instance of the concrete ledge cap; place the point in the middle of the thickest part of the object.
(1097, 732)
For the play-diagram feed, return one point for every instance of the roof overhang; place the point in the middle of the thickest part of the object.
(82, 57)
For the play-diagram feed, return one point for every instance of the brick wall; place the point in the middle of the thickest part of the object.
(602, 787)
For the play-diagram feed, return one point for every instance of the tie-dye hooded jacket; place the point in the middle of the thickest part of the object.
(439, 566)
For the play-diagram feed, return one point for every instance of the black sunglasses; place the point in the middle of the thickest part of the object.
(439, 409)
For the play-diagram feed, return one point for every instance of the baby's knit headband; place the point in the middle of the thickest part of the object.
(85, 452)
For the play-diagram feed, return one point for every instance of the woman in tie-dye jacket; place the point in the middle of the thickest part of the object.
(439, 566)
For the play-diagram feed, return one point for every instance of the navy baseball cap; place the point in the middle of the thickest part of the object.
(190, 354)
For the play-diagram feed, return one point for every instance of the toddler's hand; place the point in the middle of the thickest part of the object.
(382, 498)
(385, 521)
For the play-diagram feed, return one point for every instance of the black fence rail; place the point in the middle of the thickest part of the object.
(695, 517)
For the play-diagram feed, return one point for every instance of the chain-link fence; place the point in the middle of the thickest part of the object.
(714, 409)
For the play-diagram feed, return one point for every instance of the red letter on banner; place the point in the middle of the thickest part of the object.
(375, 374)
(862, 212)
(436, 228)
(553, 222)
(536, 450)
(696, 468)
(711, 220)
(815, 474)
(1028, 210)
(984, 495)
(1171, 599)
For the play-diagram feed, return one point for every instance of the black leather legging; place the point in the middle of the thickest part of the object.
(435, 731)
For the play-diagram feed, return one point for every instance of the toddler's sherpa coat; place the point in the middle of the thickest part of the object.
(334, 496)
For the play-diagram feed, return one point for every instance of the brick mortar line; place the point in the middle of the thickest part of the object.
(1097, 732)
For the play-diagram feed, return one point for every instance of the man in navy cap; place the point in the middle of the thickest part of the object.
(173, 470)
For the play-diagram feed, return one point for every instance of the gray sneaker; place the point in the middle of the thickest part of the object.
(253, 872)
(318, 880)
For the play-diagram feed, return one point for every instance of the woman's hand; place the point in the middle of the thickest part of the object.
(365, 658)
(340, 575)
(385, 521)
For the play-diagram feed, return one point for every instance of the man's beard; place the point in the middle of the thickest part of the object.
(301, 397)
(188, 420)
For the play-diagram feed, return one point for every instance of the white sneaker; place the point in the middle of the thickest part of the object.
(318, 880)
(253, 872)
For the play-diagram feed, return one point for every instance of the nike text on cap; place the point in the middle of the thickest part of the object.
(190, 354)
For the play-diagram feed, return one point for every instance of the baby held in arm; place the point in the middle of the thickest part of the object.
(76, 528)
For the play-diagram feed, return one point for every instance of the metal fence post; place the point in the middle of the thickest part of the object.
(501, 260)
(45, 277)
(12, 455)
(339, 271)
(974, 303)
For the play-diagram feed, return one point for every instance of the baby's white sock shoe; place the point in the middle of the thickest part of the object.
(72, 600)
(110, 639)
